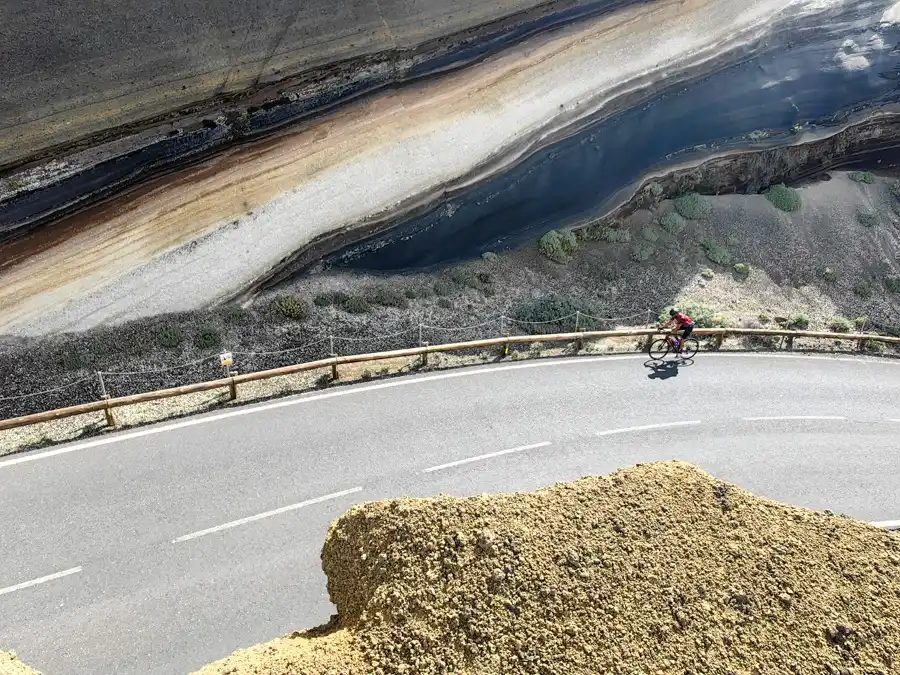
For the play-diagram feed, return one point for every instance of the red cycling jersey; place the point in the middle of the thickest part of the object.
(682, 320)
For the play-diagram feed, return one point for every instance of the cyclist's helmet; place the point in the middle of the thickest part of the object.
(673, 311)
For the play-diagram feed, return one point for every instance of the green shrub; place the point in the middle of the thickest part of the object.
(829, 274)
(707, 273)
(411, 293)
(169, 337)
(614, 234)
(323, 300)
(704, 316)
(480, 281)
(356, 304)
(764, 319)
(292, 307)
(784, 198)
(207, 338)
(692, 206)
(892, 284)
(558, 245)
(742, 271)
(867, 218)
(442, 288)
(895, 190)
(444, 303)
(840, 325)
(73, 360)
(536, 348)
(671, 222)
(593, 232)
(866, 177)
(650, 235)
(716, 252)
(642, 252)
(547, 314)
(656, 190)
(861, 322)
(799, 322)
(235, 316)
(388, 297)
(863, 289)
(460, 276)
(366, 375)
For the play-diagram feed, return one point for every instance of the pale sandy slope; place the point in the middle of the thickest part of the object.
(130, 259)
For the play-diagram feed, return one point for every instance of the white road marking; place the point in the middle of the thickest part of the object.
(267, 514)
(41, 580)
(793, 417)
(298, 400)
(646, 427)
(887, 524)
(468, 372)
(478, 458)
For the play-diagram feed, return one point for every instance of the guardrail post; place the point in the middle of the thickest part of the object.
(789, 342)
(332, 354)
(232, 385)
(719, 339)
(424, 356)
(108, 413)
(579, 341)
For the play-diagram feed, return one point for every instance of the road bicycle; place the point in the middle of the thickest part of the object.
(661, 347)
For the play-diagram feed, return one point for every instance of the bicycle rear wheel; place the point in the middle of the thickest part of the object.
(690, 347)
(658, 349)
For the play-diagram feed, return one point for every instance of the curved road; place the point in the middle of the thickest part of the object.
(156, 551)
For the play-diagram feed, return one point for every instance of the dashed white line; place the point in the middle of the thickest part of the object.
(478, 458)
(887, 524)
(41, 580)
(793, 417)
(302, 399)
(267, 514)
(646, 427)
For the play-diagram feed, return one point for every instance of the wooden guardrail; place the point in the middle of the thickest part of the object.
(107, 405)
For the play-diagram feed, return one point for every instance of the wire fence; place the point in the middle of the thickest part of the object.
(94, 386)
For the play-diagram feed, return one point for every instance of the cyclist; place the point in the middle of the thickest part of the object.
(683, 323)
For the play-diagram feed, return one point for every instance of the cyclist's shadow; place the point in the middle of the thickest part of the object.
(663, 370)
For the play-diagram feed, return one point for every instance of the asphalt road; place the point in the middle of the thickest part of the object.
(156, 551)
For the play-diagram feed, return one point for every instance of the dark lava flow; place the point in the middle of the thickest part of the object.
(796, 80)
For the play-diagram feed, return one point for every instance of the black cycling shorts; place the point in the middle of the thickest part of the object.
(687, 332)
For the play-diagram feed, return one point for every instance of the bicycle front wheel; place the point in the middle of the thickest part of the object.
(690, 347)
(658, 349)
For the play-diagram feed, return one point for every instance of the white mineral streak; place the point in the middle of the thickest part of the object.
(190, 242)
